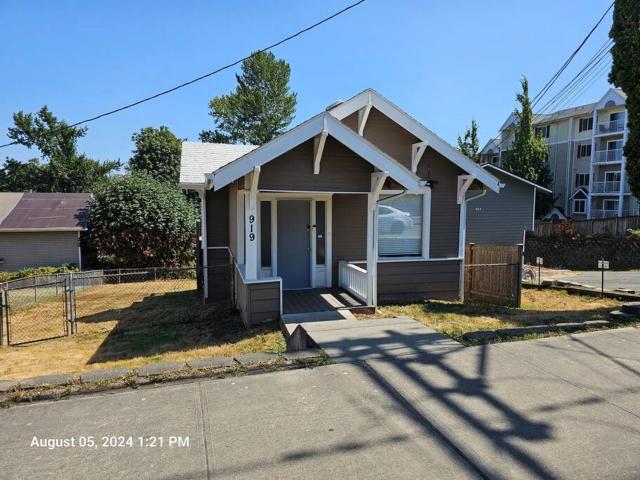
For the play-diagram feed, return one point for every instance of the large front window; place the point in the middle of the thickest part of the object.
(400, 226)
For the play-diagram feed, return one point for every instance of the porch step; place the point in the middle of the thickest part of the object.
(293, 325)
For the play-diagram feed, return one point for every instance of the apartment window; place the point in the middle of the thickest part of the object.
(585, 124)
(610, 204)
(579, 205)
(612, 176)
(584, 150)
(616, 116)
(495, 159)
(582, 179)
(400, 226)
(543, 132)
(614, 144)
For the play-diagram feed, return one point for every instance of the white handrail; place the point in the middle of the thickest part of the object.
(353, 279)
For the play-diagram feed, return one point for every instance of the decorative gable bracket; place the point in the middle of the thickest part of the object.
(417, 150)
(464, 182)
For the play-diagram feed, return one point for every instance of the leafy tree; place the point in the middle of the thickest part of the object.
(136, 221)
(625, 74)
(16, 176)
(528, 155)
(157, 153)
(469, 145)
(65, 169)
(261, 107)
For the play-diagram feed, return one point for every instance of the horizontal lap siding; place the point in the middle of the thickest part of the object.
(264, 302)
(218, 260)
(341, 170)
(418, 281)
(37, 249)
(349, 230)
(501, 219)
(387, 135)
(445, 211)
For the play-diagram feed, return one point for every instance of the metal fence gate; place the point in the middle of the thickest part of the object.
(493, 274)
(29, 314)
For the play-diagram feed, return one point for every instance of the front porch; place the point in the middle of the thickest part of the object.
(318, 300)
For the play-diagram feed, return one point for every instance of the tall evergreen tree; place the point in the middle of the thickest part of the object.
(469, 144)
(63, 169)
(157, 154)
(528, 155)
(260, 109)
(625, 74)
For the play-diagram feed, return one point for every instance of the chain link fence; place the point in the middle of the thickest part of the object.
(50, 306)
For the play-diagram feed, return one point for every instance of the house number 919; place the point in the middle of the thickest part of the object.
(252, 236)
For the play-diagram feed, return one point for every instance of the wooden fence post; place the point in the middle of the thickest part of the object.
(518, 279)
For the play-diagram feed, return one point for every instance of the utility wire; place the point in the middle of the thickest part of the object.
(553, 79)
(209, 74)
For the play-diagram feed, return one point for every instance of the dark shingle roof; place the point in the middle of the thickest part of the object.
(48, 211)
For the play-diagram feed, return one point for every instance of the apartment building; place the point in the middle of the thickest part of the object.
(585, 156)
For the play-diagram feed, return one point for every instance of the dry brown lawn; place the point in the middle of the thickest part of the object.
(538, 307)
(129, 325)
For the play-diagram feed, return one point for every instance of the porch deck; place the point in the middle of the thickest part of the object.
(317, 300)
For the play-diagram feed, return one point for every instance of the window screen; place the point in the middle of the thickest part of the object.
(400, 226)
(265, 233)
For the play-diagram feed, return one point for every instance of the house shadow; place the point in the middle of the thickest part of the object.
(162, 323)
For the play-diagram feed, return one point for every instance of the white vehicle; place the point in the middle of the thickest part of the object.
(393, 220)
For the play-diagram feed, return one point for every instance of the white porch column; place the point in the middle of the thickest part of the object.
(377, 181)
(251, 225)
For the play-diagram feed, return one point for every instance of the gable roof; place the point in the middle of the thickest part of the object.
(515, 177)
(581, 190)
(323, 122)
(198, 159)
(44, 212)
(399, 116)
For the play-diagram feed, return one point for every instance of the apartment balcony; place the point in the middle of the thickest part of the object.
(614, 126)
(608, 156)
(608, 213)
(606, 187)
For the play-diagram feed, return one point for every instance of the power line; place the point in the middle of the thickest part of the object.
(553, 79)
(214, 72)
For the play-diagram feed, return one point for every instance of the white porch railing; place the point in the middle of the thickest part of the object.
(605, 156)
(613, 126)
(606, 187)
(353, 279)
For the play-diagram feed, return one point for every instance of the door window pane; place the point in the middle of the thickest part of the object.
(400, 226)
(265, 233)
(321, 233)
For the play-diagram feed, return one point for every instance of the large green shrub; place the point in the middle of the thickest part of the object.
(137, 221)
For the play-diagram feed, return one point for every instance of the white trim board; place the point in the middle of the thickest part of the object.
(316, 125)
(410, 124)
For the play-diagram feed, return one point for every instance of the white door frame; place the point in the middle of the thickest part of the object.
(274, 197)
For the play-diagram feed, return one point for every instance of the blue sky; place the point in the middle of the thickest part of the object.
(442, 61)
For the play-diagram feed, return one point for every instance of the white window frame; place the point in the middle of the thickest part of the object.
(615, 172)
(426, 228)
(583, 201)
(615, 200)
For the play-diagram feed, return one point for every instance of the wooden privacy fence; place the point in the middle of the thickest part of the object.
(615, 227)
(493, 274)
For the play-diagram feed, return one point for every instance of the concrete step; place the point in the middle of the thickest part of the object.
(632, 308)
(621, 317)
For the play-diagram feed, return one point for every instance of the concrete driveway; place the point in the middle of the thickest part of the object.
(612, 280)
(564, 407)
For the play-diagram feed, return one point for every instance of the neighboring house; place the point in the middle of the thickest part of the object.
(502, 219)
(585, 155)
(41, 229)
(299, 212)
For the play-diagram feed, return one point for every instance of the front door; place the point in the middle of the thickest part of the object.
(294, 243)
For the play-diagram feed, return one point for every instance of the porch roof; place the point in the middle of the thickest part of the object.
(323, 123)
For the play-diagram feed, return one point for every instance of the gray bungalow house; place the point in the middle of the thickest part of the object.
(502, 219)
(359, 204)
(41, 229)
